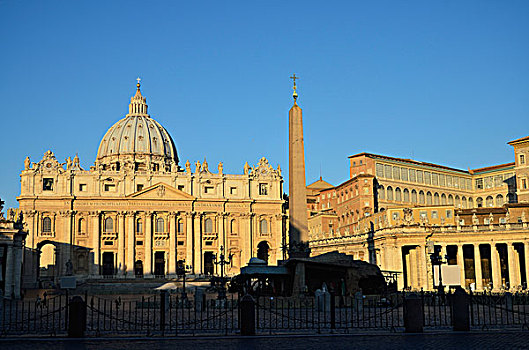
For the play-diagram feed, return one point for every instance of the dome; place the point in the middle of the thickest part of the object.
(137, 137)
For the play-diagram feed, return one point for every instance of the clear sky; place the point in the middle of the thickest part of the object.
(438, 81)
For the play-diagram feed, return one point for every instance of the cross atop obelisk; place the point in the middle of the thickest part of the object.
(295, 94)
(297, 202)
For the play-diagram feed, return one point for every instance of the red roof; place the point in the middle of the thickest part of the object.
(518, 140)
(492, 167)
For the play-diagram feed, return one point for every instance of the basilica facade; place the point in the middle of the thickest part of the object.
(137, 213)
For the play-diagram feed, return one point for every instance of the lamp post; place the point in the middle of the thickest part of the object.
(221, 261)
(437, 260)
(181, 271)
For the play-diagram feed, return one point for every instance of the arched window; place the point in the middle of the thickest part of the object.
(413, 196)
(421, 197)
(464, 202)
(479, 202)
(208, 226)
(406, 195)
(263, 227)
(470, 203)
(381, 193)
(233, 226)
(389, 193)
(429, 198)
(457, 202)
(180, 226)
(81, 227)
(450, 199)
(398, 195)
(109, 225)
(139, 226)
(46, 225)
(490, 201)
(436, 199)
(160, 225)
(443, 199)
(499, 200)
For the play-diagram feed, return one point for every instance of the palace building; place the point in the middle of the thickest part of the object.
(137, 213)
(398, 213)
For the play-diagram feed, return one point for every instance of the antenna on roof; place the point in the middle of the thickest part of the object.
(320, 170)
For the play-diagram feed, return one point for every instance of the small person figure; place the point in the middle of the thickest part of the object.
(221, 168)
(27, 163)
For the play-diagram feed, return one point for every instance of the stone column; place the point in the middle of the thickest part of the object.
(8, 282)
(422, 275)
(17, 265)
(413, 268)
(189, 240)
(514, 270)
(131, 242)
(197, 244)
(222, 230)
(477, 267)
(172, 256)
(30, 215)
(147, 265)
(120, 263)
(461, 263)
(95, 236)
(495, 262)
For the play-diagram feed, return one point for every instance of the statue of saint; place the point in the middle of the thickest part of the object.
(475, 220)
(76, 161)
(68, 163)
(279, 170)
(69, 268)
(188, 167)
(246, 168)
(27, 163)
(221, 168)
(197, 167)
(205, 166)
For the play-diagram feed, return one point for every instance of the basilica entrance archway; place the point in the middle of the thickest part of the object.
(262, 251)
(108, 264)
(209, 267)
(159, 264)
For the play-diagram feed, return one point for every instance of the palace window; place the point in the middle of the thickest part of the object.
(263, 189)
(139, 226)
(387, 171)
(479, 184)
(47, 184)
(524, 184)
(442, 180)
(420, 176)
(448, 214)
(427, 178)
(181, 187)
(396, 173)
(479, 202)
(209, 189)
(180, 226)
(160, 225)
(208, 226)
(233, 226)
(413, 175)
(434, 214)
(109, 225)
(522, 159)
(81, 226)
(139, 187)
(263, 227)
(46, 225)
(233, 190)
(380, 170)
(82, 187)
(110, 187)
(404, 174)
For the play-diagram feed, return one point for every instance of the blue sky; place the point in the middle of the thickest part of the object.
(438, 81)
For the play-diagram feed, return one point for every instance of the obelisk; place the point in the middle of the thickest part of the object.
(297, 202)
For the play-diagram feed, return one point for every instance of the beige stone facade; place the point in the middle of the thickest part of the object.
(396, 212)
(136, 212)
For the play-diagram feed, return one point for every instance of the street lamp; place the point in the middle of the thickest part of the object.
(181, 272)
(221, 261)
(437, 259)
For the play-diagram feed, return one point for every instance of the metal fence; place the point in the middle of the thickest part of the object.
(166, 314)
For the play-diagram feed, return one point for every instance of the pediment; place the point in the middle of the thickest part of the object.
(161, 191)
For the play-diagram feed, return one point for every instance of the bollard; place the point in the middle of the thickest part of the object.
(247, 309)
(77, 318)
(413, 314)
(460, 310)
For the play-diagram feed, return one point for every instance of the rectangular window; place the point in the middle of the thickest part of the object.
(139, 187)
(424, 215)
(435, 179)
(209, 243)
(47, 184)
(524, 184)
(427, 178)
(139, 242)
(109, 242)
(488, 182)
(387, 171)
(442, 180)
(396, 173)
(448, 214)
(110, 187)
(522, 159)
(233, 190)
(263, 189)
(180, 242)
(380, 170)
(366, 190)
(181, 187)
(404, 174)
(449, 181)
(209, 189)
(479, 184)
(413, 175)
(82, 187)
(420, 176)
(395, 215)
(498, 180)
(434, 214)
